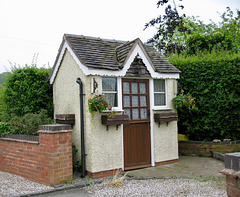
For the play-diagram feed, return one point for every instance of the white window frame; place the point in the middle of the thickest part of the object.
(158, 107)
(119, 106)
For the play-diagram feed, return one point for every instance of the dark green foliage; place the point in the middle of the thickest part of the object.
(28, 91)
(214, 80)
(2, 104)
(29, 123)
(4, 129)
(215, 41)
(186, 35)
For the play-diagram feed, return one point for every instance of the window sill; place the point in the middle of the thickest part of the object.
(162, 109)
(114, 110)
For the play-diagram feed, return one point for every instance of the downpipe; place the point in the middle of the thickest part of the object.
(79, 81)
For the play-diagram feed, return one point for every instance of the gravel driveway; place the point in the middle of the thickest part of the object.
(162, 187)
(13, 185)
(191, 176)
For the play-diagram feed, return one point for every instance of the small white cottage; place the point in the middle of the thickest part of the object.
(137, 82)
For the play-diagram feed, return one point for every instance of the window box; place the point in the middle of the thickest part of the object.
(115, 119)
(165, 117)
(65, 119)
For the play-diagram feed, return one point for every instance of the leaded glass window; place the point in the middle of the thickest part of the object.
(159, 92)
(135, 99)
(109, 90)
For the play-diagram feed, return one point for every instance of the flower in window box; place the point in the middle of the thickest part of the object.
(97, 103)
(185, 101)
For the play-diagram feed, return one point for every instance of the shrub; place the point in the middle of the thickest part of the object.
(28, 91)
(4, 129)
(214, 80)
(2, 104)
(29, 123)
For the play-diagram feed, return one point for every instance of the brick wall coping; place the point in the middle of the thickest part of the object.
(210, 143)
(18, 140)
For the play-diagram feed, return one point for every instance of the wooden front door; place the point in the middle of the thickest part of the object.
(136, 134)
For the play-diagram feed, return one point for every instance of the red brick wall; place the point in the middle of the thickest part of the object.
(205, 149)
(48, 161)
(232, 172)
(233, 186)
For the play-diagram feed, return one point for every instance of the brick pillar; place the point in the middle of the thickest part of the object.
(232, 172)
(55, 153)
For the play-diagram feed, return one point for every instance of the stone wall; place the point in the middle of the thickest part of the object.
(206, 149)
(48, 161)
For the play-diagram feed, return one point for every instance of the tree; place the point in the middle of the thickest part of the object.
(168, 24)
(224, 36)
(230, 26)
(177, 34)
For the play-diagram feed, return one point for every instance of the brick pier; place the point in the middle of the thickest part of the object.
(232, 172)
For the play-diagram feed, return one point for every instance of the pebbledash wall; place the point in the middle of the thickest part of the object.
(206, 149)
(48, 161)
(104, 148)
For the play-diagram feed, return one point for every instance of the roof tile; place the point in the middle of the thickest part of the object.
(111, 54)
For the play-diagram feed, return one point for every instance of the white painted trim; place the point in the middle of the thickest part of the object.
(57, 64)
(120, 73)
(119, 89)
(151, 99)
(122, 150)
(162, 107)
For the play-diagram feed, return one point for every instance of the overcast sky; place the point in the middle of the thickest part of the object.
(28, 27)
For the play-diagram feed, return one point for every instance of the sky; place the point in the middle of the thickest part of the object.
(31, 28)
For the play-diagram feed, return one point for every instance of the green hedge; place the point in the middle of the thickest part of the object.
(214, 81)
(28, 91)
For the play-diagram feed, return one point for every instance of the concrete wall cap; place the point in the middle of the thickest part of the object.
(230, 172)
(57, 127)
(237, 154)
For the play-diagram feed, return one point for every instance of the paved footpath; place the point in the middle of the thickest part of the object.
(186, 167)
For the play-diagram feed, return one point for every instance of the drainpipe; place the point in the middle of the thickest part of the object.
(79, 81)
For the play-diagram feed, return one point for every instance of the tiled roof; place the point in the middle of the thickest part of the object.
(122, 51)
(111, 54)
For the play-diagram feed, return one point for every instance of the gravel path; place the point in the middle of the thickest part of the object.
(161, 187)
(13, 185)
